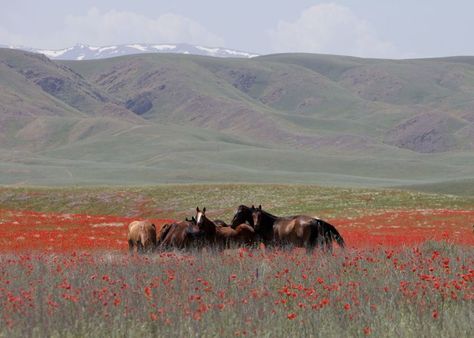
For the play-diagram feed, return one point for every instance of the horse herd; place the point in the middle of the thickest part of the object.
(249, 225)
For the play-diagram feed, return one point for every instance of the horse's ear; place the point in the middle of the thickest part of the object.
(197, 209)
(260, 207)
(253, 207)
(204, 210)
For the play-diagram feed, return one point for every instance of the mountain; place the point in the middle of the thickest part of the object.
(159, 118)
(85, 52)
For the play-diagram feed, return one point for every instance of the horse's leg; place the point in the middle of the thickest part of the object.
(154, 244)
(308, 244)
(140, 248)
(130, 246)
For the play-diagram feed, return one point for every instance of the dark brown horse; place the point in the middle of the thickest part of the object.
(180, 235)
(299, 230)
(223, 234)
(243, 215)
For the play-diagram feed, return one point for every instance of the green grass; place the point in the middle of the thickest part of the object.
(455, 187)
(179, 201)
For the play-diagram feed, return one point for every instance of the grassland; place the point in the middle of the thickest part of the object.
(179, 201)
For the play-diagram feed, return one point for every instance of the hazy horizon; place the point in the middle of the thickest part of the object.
(348, 27)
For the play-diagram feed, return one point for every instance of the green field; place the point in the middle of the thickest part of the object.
(180, 201)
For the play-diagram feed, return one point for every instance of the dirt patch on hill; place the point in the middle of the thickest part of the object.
(426, 133)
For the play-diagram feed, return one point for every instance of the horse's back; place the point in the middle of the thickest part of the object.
(294, 229)
(133, 230)
(246, 233)
(177, 234)
(141, 228)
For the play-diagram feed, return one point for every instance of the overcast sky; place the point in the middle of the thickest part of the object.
(368, 28)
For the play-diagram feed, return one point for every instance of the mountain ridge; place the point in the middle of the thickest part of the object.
(278, 118)
(87, 52)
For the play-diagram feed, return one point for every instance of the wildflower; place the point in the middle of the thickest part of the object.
(324, 302)
(148, 292)
(347, 306)
(291, 316)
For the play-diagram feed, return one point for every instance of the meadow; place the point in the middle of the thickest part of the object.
(408, 268)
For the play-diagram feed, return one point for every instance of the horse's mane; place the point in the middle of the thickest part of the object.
(269, 215)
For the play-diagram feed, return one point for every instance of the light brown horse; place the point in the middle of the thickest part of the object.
(299, 230)
(222, 234)
(142, 235)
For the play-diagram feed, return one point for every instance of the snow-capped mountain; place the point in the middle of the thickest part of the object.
(85, 52)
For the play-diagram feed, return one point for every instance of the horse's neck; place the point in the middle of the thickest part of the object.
(245, 216)
(269, 217)
(209, 224)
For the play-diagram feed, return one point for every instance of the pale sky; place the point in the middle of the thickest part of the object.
(367, 28)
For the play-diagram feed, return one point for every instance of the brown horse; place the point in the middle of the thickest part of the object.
(180, 235)
(299, 230)
(243, 215)
(222, 234)
(141, 234)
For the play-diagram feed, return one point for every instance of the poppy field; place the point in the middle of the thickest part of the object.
(408, 270)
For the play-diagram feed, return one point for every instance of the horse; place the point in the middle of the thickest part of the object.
(243, 215)
(218, 222)
(221, 233)
(299, 230)
(141, 234)
(180, 235)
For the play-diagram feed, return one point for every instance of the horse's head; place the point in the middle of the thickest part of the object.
(243, 215)
(200, 216)
(204, 224)
(256, 217)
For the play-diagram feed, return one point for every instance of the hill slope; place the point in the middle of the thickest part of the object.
(288, 118)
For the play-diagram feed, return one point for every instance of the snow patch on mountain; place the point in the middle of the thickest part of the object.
(164, 47)
(85, 52)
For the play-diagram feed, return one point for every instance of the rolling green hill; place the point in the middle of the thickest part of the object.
(301, 118)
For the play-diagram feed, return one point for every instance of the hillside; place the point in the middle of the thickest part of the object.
(304, 118)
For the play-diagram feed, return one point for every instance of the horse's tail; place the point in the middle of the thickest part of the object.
(163, 233)
(144, 239)
(331, 232)
(325, 232)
